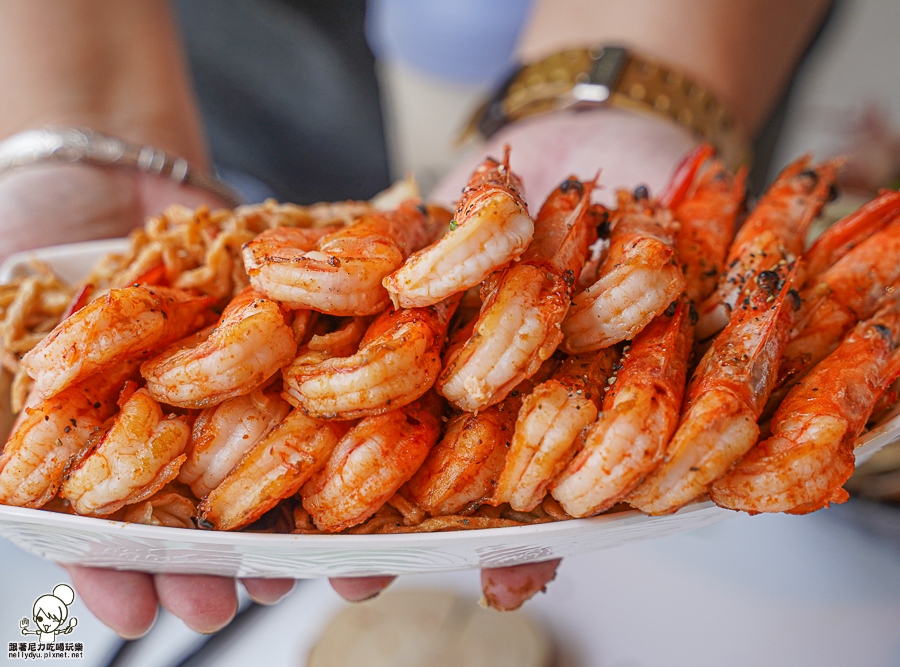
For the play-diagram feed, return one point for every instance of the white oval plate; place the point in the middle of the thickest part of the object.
(102, 543)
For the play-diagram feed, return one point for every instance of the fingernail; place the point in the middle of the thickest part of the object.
(272, 599)
(126, 636)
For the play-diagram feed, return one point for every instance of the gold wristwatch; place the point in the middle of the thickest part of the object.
(617, 77)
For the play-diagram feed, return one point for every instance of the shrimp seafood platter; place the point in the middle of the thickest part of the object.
(383, 387)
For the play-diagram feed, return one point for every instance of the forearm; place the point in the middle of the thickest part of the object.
(744, 50)
(116, 67)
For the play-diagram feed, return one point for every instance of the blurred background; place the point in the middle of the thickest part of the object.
(817, 590)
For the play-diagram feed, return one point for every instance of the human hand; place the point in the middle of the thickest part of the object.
(62, 203)
(504, 588)
(629, 149)
(128, 602)
(54, 203)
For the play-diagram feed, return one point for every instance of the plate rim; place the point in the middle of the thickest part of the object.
(252, 543)
(37, 516)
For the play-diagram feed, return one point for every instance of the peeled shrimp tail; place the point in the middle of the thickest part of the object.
(339, 273)
(638, 280)
(222, 434)
(640, 413)
(140, 453)
(249, 344)
(461, 471)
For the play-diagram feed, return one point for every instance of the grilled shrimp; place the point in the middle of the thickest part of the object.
(398, 361)
(221, 435)
(803, 465)
(705, 208)
(847, 233)
(519, 324)
(846, 293)
(774, 232)
(638, 280)
(640, 413)
(491, 229)
(461, 470)
(124, 324)
(250, 343)
(725, 397)
(339, 272)
(140, 453)
(370, 463)
(549, 427)
(275, 468)
(54, 434)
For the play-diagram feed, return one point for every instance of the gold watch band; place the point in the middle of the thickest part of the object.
(614, 76)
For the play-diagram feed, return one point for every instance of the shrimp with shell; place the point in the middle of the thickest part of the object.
(844, 294)
(705, 201)
(397, 361)
(725, 397)
(550, 426)
(847, 233)
(123, 325)
(338, 270)
(54, 434)
(519, 323)
(370, 463)
(491, 229)
(773, 233)
(142, 451)
(249, 344)
(638, 280)
(640, 413)
(803, 465)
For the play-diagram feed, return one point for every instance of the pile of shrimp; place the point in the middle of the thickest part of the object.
(392, 366)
